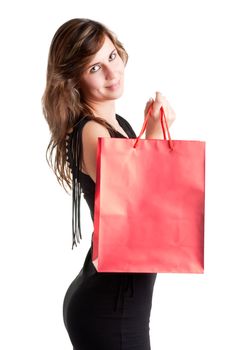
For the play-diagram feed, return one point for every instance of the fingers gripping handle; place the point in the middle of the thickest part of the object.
(163, 125)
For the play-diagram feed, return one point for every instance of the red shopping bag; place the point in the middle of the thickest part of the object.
(149, 204)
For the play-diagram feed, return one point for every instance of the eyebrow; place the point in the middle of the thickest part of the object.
(93, 64)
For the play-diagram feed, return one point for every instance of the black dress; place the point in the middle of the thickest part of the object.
(102, 310)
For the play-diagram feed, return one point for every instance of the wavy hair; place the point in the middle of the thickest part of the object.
(73, 46)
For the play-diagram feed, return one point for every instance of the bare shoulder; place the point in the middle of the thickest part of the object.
(92, 130)
(90, 133)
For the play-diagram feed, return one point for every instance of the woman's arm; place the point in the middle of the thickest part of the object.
(154, 129)
(90, 133)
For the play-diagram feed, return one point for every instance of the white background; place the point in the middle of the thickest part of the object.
(181, 48)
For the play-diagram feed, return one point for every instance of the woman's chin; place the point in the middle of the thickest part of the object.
(116, 94)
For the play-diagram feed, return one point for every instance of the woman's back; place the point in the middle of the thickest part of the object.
(105, 311)
(75, 140)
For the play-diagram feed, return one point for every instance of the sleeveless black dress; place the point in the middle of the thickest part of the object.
(102, 310)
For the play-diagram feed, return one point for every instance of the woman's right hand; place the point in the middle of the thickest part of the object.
(154, 128)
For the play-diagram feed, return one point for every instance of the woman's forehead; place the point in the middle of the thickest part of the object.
(104, 51)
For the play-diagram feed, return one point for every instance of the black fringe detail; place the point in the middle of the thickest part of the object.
(76, 200)
(74, 150)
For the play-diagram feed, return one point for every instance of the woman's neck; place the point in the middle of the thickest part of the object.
(105, 110)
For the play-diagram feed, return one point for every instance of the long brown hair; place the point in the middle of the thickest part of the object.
(72, 48)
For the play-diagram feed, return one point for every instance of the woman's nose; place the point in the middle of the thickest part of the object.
(110, 73)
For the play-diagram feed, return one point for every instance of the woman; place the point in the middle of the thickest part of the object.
(85, 75)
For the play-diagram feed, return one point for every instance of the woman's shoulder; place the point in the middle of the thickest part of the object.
(95, 127)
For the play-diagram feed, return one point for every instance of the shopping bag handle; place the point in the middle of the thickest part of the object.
(162, 120)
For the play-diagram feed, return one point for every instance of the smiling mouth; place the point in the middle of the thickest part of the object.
(113, 86)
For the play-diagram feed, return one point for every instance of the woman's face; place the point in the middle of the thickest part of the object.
(104, 78)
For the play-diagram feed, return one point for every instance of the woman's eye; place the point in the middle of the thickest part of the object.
(114, 54)
(93, 70)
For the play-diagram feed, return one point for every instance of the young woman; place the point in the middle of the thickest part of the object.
(85, 76)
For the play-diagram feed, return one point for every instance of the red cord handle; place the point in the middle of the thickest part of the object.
(162, 120)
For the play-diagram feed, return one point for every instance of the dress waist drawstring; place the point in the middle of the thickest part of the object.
(126, 284)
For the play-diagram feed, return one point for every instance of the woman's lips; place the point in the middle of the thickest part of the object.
(114, 86)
